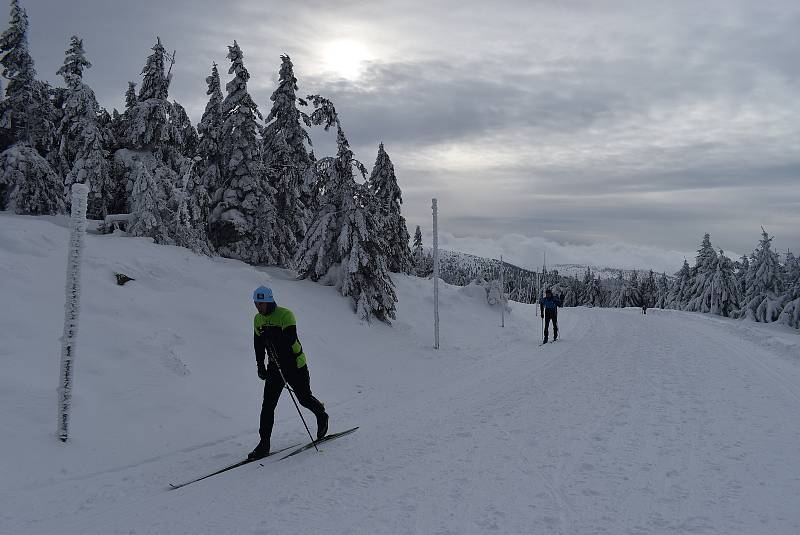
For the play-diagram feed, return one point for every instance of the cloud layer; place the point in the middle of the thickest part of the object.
(581, 122)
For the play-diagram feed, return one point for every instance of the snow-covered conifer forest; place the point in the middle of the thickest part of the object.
(241, 184)
(245, 185)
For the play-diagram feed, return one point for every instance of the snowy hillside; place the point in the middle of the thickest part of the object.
(461, 268)
(666, 423)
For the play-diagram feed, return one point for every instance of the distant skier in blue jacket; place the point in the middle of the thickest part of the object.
(549, 309)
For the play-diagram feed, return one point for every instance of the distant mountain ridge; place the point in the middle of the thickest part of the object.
(479, 265)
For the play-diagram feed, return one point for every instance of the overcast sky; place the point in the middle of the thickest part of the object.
(608, 132)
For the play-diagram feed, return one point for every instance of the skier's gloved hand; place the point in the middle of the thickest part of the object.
(262, 372)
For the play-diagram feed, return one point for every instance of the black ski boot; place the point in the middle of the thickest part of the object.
(322, 425)
(262, 450)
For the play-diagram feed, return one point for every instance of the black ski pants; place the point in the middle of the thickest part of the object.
(550, 314)
(299, 381)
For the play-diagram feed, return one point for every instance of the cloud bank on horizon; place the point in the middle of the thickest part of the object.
(573, 122)
(528, 252)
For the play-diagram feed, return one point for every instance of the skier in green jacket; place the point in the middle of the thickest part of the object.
(275, 333)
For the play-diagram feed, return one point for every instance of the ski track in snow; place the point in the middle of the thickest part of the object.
(630, 424)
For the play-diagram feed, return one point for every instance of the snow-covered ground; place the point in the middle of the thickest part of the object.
(668, 422)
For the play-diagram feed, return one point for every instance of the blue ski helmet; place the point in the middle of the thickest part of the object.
(262, 294)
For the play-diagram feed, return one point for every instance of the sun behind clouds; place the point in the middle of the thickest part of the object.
(345, 58)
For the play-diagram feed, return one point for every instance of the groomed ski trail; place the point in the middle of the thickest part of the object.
(664, 423)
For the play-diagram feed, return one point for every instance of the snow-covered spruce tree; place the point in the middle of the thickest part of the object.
(286, 161)
(699, 299)
(186, 139)
(678, 295)
(633, 297)
(148, 123)
(594, 293)
(27, 114)
(662, 292)
(417, 242)
(791, 310)
(383, 184)
(209, 130)
(345, 234)
(130, 96)
(648, 290)
(422, 262)
(620, 292)
(28, 184)
(742, 270)
(83, 142)
(148, 206)
(155, 84)
(572, 292)
(120, 121)
(791, 269)
(155, 138)
(765, 297)
(724, 290)
(192, 210)
(243, 217)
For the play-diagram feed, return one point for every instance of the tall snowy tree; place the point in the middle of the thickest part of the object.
(148, 207)
(383, 184)
(648, 290)
(286, 160)
(724, 291)
(243, 218)
(702, 277)
(765, 298)
(186, 139)
(26, 113)
(594, 293)
(210, 131)
(343, 245)
(192, 211)
(155, 137)
(619, 296)
(633, 297)
(662, 292)
(28, 184)
(587, 298)
(83, 140)
(679, 293)
(417, 241)
(422, 262)
(155, 84)
(790, 315)
(148, 125)
(742, 269)
(130, 96)
(791, 267)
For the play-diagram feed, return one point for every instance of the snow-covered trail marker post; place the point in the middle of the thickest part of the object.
(502, 296)
(434, 206)
(80, 192)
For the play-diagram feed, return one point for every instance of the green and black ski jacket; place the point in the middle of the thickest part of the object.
(276, 333)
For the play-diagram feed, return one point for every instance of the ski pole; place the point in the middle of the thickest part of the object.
(542, 315)
(296, 406)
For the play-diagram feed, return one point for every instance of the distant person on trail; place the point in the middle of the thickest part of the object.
(275, 332)
(644, 308)
(549, 309)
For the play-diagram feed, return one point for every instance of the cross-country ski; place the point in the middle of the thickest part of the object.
(326, 438)
(230, 467)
